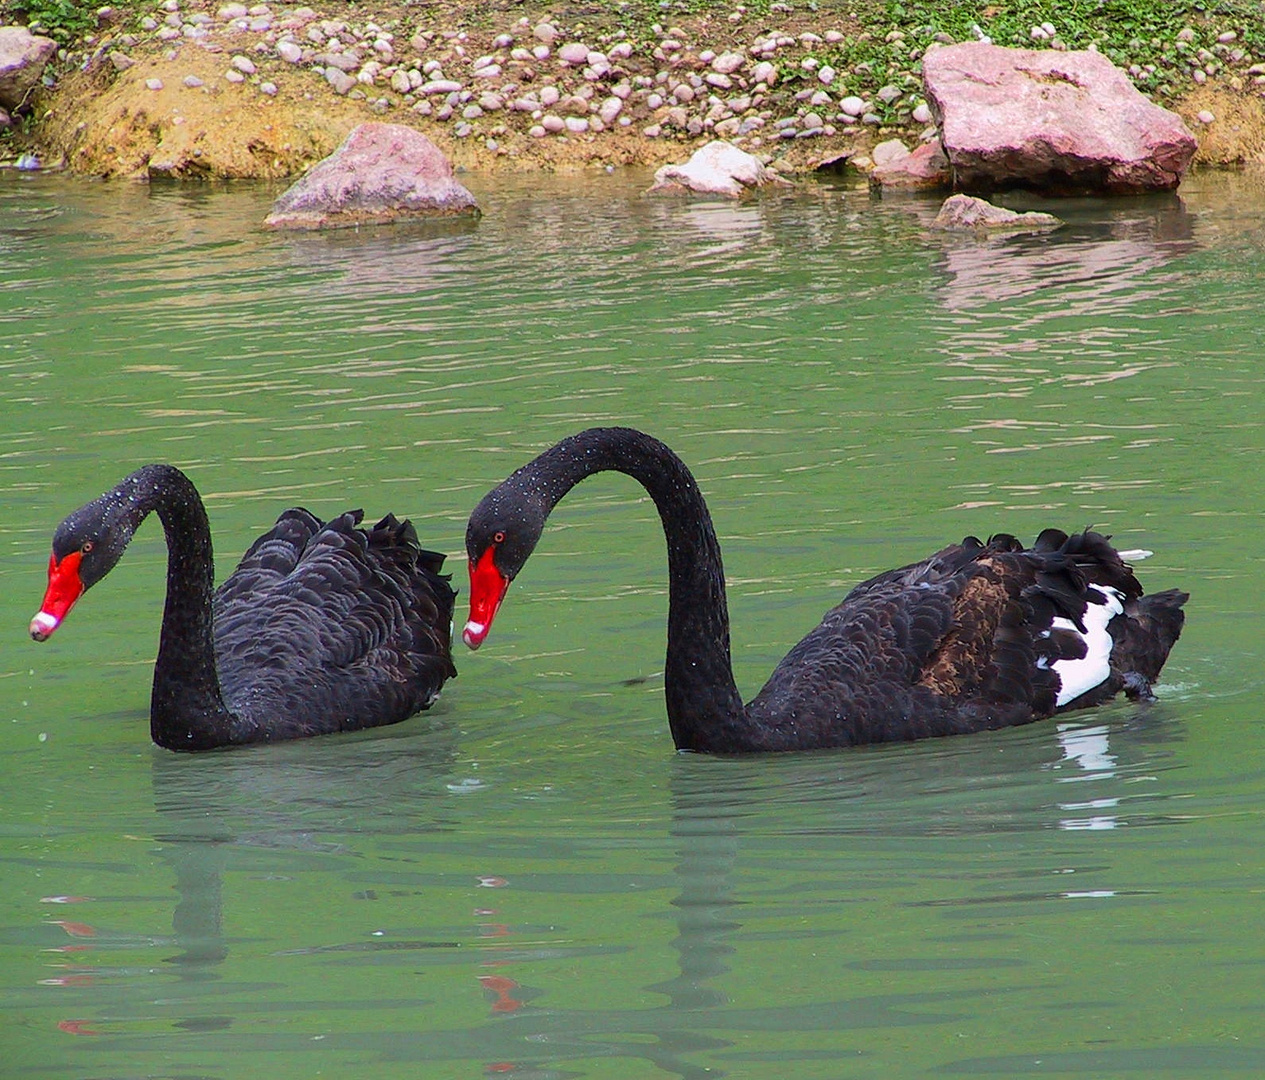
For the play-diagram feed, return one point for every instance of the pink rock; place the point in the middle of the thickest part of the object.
(1059, 122)
(22, 60)
(925, 169)
(381, 173)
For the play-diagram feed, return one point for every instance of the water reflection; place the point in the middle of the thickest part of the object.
(1104, 249)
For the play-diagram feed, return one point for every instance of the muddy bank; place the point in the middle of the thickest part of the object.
(201, 90)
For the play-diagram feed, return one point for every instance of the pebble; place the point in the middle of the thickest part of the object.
(492, 71)
(269, 88)
(1204, 116)
(549, 96)
(764, 72)
(576, 124)
(652, 132)
(728, 63)
(545, 32)
(852, 106)
(922, 113)
(191, 81)
(439, 86)
(244, 64)
(339, 80)
(552, 123)
(574, 53)
(234, 76)
(537, 131)
(608, 112)
(153, 84)
(289, 51)
(826, 74)
(716, 79)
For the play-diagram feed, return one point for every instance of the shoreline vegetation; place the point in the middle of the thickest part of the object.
(208, 89)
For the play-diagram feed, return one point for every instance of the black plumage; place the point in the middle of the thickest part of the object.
(978, 636)
(323, 626)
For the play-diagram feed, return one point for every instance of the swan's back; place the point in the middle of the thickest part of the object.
(326, 626)
(978, 636)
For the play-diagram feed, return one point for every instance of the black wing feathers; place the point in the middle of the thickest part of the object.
(963, 641)
(331, 627)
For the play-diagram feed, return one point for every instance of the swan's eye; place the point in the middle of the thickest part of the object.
(87, 547)
(498, 538)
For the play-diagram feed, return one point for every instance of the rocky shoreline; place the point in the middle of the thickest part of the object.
(223, 90)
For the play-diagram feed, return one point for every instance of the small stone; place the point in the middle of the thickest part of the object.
(608, 112)
(574, 53)
(341, 82)
(812, 120)
(852, 106)
(550, 96)
(683, 93)
(727, 63)
(826, 75)
(652, 132)
(234, 76)
(1204, 116)
(192, 82)
(244, 64)
(120, 61)
(654, 101)
(553, 123)
(922, 113)
(153, 84)
(576, 124)
(490, 102)
(492, 71)
(537, 131)
(545, 32)
(716, 79)
(622, 51)
(1227, 37)
(764, 72)
(439, 86)
(269, 88)
(888, 94)
(462, 130)
(541, 52)
(289, 51)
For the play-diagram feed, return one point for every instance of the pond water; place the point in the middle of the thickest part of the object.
(527, 880)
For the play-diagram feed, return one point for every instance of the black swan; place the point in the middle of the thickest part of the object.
(322, 627)
(978, 636)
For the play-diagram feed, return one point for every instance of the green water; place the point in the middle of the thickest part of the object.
(527, 881)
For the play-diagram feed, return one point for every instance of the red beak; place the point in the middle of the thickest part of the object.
(64, 587)
(487, 590)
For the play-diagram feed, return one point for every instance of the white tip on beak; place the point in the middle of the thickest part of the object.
(474, 633)
(43, 625)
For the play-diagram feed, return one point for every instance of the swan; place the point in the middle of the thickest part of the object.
(978, 636)
(322, 627)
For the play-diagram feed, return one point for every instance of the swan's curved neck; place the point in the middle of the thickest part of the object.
(705, 710)
(187, 711)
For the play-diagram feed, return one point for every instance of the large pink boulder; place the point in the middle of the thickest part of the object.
(22, 59)
(381, 173)
(1058, 122)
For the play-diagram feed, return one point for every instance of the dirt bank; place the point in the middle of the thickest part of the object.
(208, 90)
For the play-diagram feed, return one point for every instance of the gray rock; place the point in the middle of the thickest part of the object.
(381, 173)
(339, 80)
(1060, 122)
(967, 213)
(23, 56)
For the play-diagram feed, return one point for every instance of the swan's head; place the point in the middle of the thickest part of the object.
(501, 535)
(86, 547)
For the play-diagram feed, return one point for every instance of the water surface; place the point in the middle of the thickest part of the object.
(527, 880)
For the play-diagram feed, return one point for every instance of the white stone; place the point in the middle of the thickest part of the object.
(439, 86)
(574, 53)
(492, 71)
(289, 51)
(153, 84)
(826, 75)
(537, 131)
(727, 63)
(545, 32)
(553, 123)
(764, 72)
(550, 95)
(269, 88)
(922, 113)
(399, 81)
(191, 81)
(576, 124)
(1204, 116)
(852, 106)
(244, 64)
(234, 76)
(608, 112)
